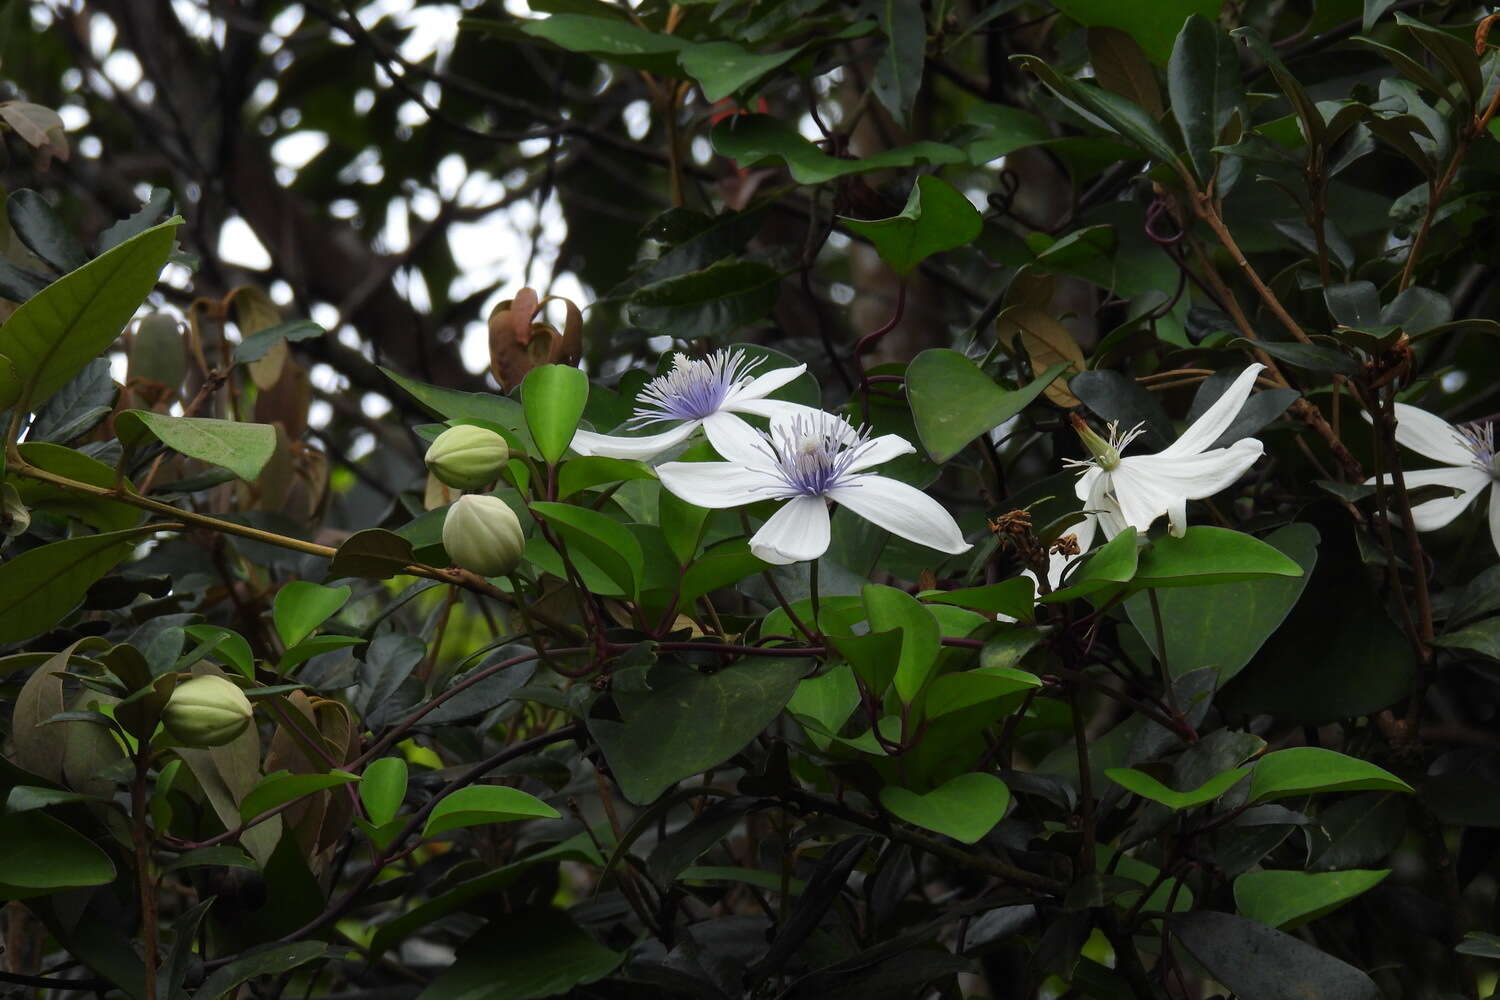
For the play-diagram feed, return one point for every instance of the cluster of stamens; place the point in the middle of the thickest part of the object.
(812, 453)
(1479, 438)
(693, 389)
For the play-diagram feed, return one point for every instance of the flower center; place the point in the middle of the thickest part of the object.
(812, 453)
(1106, 453)
(693, 389)
(1479, 438)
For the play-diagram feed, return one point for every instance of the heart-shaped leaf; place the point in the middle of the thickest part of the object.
(965, 808)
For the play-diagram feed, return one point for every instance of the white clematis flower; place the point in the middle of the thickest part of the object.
(1133, 492)
(808, 459)
(705, 393)
(1469, 464)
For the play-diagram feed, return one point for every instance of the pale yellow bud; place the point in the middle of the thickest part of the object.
(206, 711)
(483, 535)
(467, 457)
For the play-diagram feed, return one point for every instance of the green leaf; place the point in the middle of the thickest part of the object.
(606, 542)
(1014, 598)
(553, 397)
(106, 515)
(1311, 119)
(1147, 787)
(1203, 81)
(255, 346)
(371, 554)
(1313, 770)
(580, 473)
(1111, 565)
(953, 402)
(1207, 555)
(956, 691)
(283, 786)
(721, 566)
(312, 646)
(936, 218)
(1479, 944)
(1313, 357)
(1121, 116)
(1288, 899)
(891, 609)
(37, 224)
(824, 703)
(302, 606)
(718, 299)
(874, 656)
(1456, 56)
(40, 586)
(43, 855)
(610, 39)
(478, 805)
(451, 404)
(898, 74)
(965, 808)
(267, 960)
(753, 139)
(382, 788)
(242, 448)
(722, 68)
(529, 955)
(52, 335)
(689, 721)
(1256, 962)
(1482, 637)
(1152, 25)
(1223, 626)
(228, 645)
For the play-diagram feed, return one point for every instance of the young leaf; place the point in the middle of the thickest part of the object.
(889, 609)
(283, 786)
(382, 788)
(481, 804)
(1312, 770)
(52, 335)
(604, 541)
(1288, 899)
(1147, 787)
(965, 808)
(553, 397)
(242, 448)
(302, 606)
(1207, 555)
(953, 402)
(936, 218)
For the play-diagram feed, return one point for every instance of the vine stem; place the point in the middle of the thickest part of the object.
(455, 576)
(141, 834)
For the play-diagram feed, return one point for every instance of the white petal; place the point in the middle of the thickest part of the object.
(737, 441)
(1429, 434)
(1495, 517)
(715, 485)
(902, 510)
(773, 409)
(1099, 500)
(1084, 488)
(1083, 531)
(880, 450)
(1215, 420)
(1177, 517)
(763, 385)
(798, 532)
(1434, 514)
(1148, 486)
(649, 446)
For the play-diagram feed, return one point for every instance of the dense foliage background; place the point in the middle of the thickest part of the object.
(257, 254)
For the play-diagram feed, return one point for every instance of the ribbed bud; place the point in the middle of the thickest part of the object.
(206, 711)
(468, 457)
(483, 535)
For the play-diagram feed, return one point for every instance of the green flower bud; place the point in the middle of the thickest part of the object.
(206, 711)
(1105, 453)
(482, 534)
(467, 457)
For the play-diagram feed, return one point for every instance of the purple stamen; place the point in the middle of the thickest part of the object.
(693, 389)
(813, 452)
(1479, 438)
